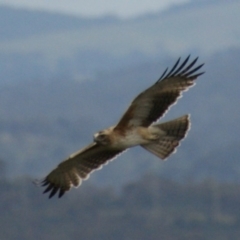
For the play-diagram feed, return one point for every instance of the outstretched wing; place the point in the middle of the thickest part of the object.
(152, 103)
(77, 167)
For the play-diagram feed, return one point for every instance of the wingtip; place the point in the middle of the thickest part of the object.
(182, 69)
(50, 188)
(53, 192)
(61, 193)
(188, 57)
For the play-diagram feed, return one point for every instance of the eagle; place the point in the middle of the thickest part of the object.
(135, 128)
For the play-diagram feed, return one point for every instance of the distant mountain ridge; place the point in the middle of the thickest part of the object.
(22, 23)
(37, 44)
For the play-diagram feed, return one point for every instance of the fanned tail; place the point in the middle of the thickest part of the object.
(175, 131)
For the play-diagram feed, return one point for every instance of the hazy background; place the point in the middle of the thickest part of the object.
(69, 69)
(93, 8)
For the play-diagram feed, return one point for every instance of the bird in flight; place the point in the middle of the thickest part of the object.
(136, 127)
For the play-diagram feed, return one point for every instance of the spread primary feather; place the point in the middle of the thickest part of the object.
(136, 127)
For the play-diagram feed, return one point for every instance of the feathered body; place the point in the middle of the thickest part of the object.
(136, 127)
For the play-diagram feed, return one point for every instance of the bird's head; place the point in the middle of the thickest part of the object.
(101, 137)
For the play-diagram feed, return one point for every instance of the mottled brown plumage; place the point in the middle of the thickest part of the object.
(134, 128)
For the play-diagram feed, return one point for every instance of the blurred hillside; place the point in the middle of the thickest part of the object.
(151, 208)
(63, 78)
(41, 45)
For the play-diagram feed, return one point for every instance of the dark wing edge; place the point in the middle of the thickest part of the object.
(165, 98)
(183, 70)
(61, 180)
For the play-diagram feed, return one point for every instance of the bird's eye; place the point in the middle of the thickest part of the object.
(101, 136)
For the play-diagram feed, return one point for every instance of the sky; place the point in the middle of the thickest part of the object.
(95, 8)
